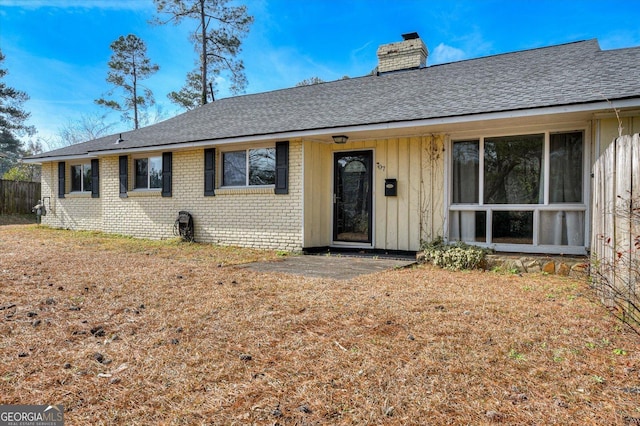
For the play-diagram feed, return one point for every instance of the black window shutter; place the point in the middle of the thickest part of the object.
(209, 171)
(95, 179)
(124, 176)
(61, 180)
(282, 168)
(166, 174)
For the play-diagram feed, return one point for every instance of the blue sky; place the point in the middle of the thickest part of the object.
(57, 50)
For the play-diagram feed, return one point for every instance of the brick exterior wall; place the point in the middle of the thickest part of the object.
(402, 55)
(75, 211)
(251, 217)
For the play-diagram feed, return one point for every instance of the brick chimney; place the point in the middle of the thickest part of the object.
(408, 54)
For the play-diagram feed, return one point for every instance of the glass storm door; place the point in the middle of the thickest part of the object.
(352, 196)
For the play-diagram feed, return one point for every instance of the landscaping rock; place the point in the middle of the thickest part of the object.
(563, 269)
(549, 267)
(98, 357)
(32, 314)
(579, 270)
(517, 265)
(245, 357)
(532, 267)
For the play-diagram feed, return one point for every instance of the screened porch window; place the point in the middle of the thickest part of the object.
(512, 169)
(516, 191)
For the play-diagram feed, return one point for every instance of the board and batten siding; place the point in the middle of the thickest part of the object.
(608, 130)
(399, 222)
(432, 187)
(318, 194)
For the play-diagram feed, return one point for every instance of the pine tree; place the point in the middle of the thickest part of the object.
(220, 28)
(129, 65)
(12, 122)
(190, 96)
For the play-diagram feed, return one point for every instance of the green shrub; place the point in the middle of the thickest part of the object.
(458, 256)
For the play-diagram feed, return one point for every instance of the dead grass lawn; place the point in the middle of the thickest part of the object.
(17, 219)
(123, 331)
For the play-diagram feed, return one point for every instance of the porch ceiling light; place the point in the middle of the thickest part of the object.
(340, 139)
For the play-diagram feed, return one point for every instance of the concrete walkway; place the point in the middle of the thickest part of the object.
(338, 267)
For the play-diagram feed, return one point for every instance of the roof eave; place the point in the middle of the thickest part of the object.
(598, 106)
(40, 160)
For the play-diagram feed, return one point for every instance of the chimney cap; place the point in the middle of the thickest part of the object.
(410, 36)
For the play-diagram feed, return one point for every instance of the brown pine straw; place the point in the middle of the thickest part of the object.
(189, 338)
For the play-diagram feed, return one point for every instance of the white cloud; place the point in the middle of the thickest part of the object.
(443, 54)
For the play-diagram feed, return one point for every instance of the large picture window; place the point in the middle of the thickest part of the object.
(148, 173)
(81, 178)
(512, 169)
(251, 167)
(510, 192)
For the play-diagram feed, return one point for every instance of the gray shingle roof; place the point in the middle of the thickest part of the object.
(567, 74)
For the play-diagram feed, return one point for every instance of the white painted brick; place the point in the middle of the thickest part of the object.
(244, 218)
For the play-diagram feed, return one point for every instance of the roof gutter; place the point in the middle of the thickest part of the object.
(40, 160)
(395, 125)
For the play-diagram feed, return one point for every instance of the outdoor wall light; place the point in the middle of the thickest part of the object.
(340, 139)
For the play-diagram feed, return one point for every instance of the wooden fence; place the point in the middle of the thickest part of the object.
(18, 197)
(615, 246)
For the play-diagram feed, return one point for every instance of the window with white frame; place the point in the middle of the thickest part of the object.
(519, 190)
(148, 173)
(81, 178)
(250, 167)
